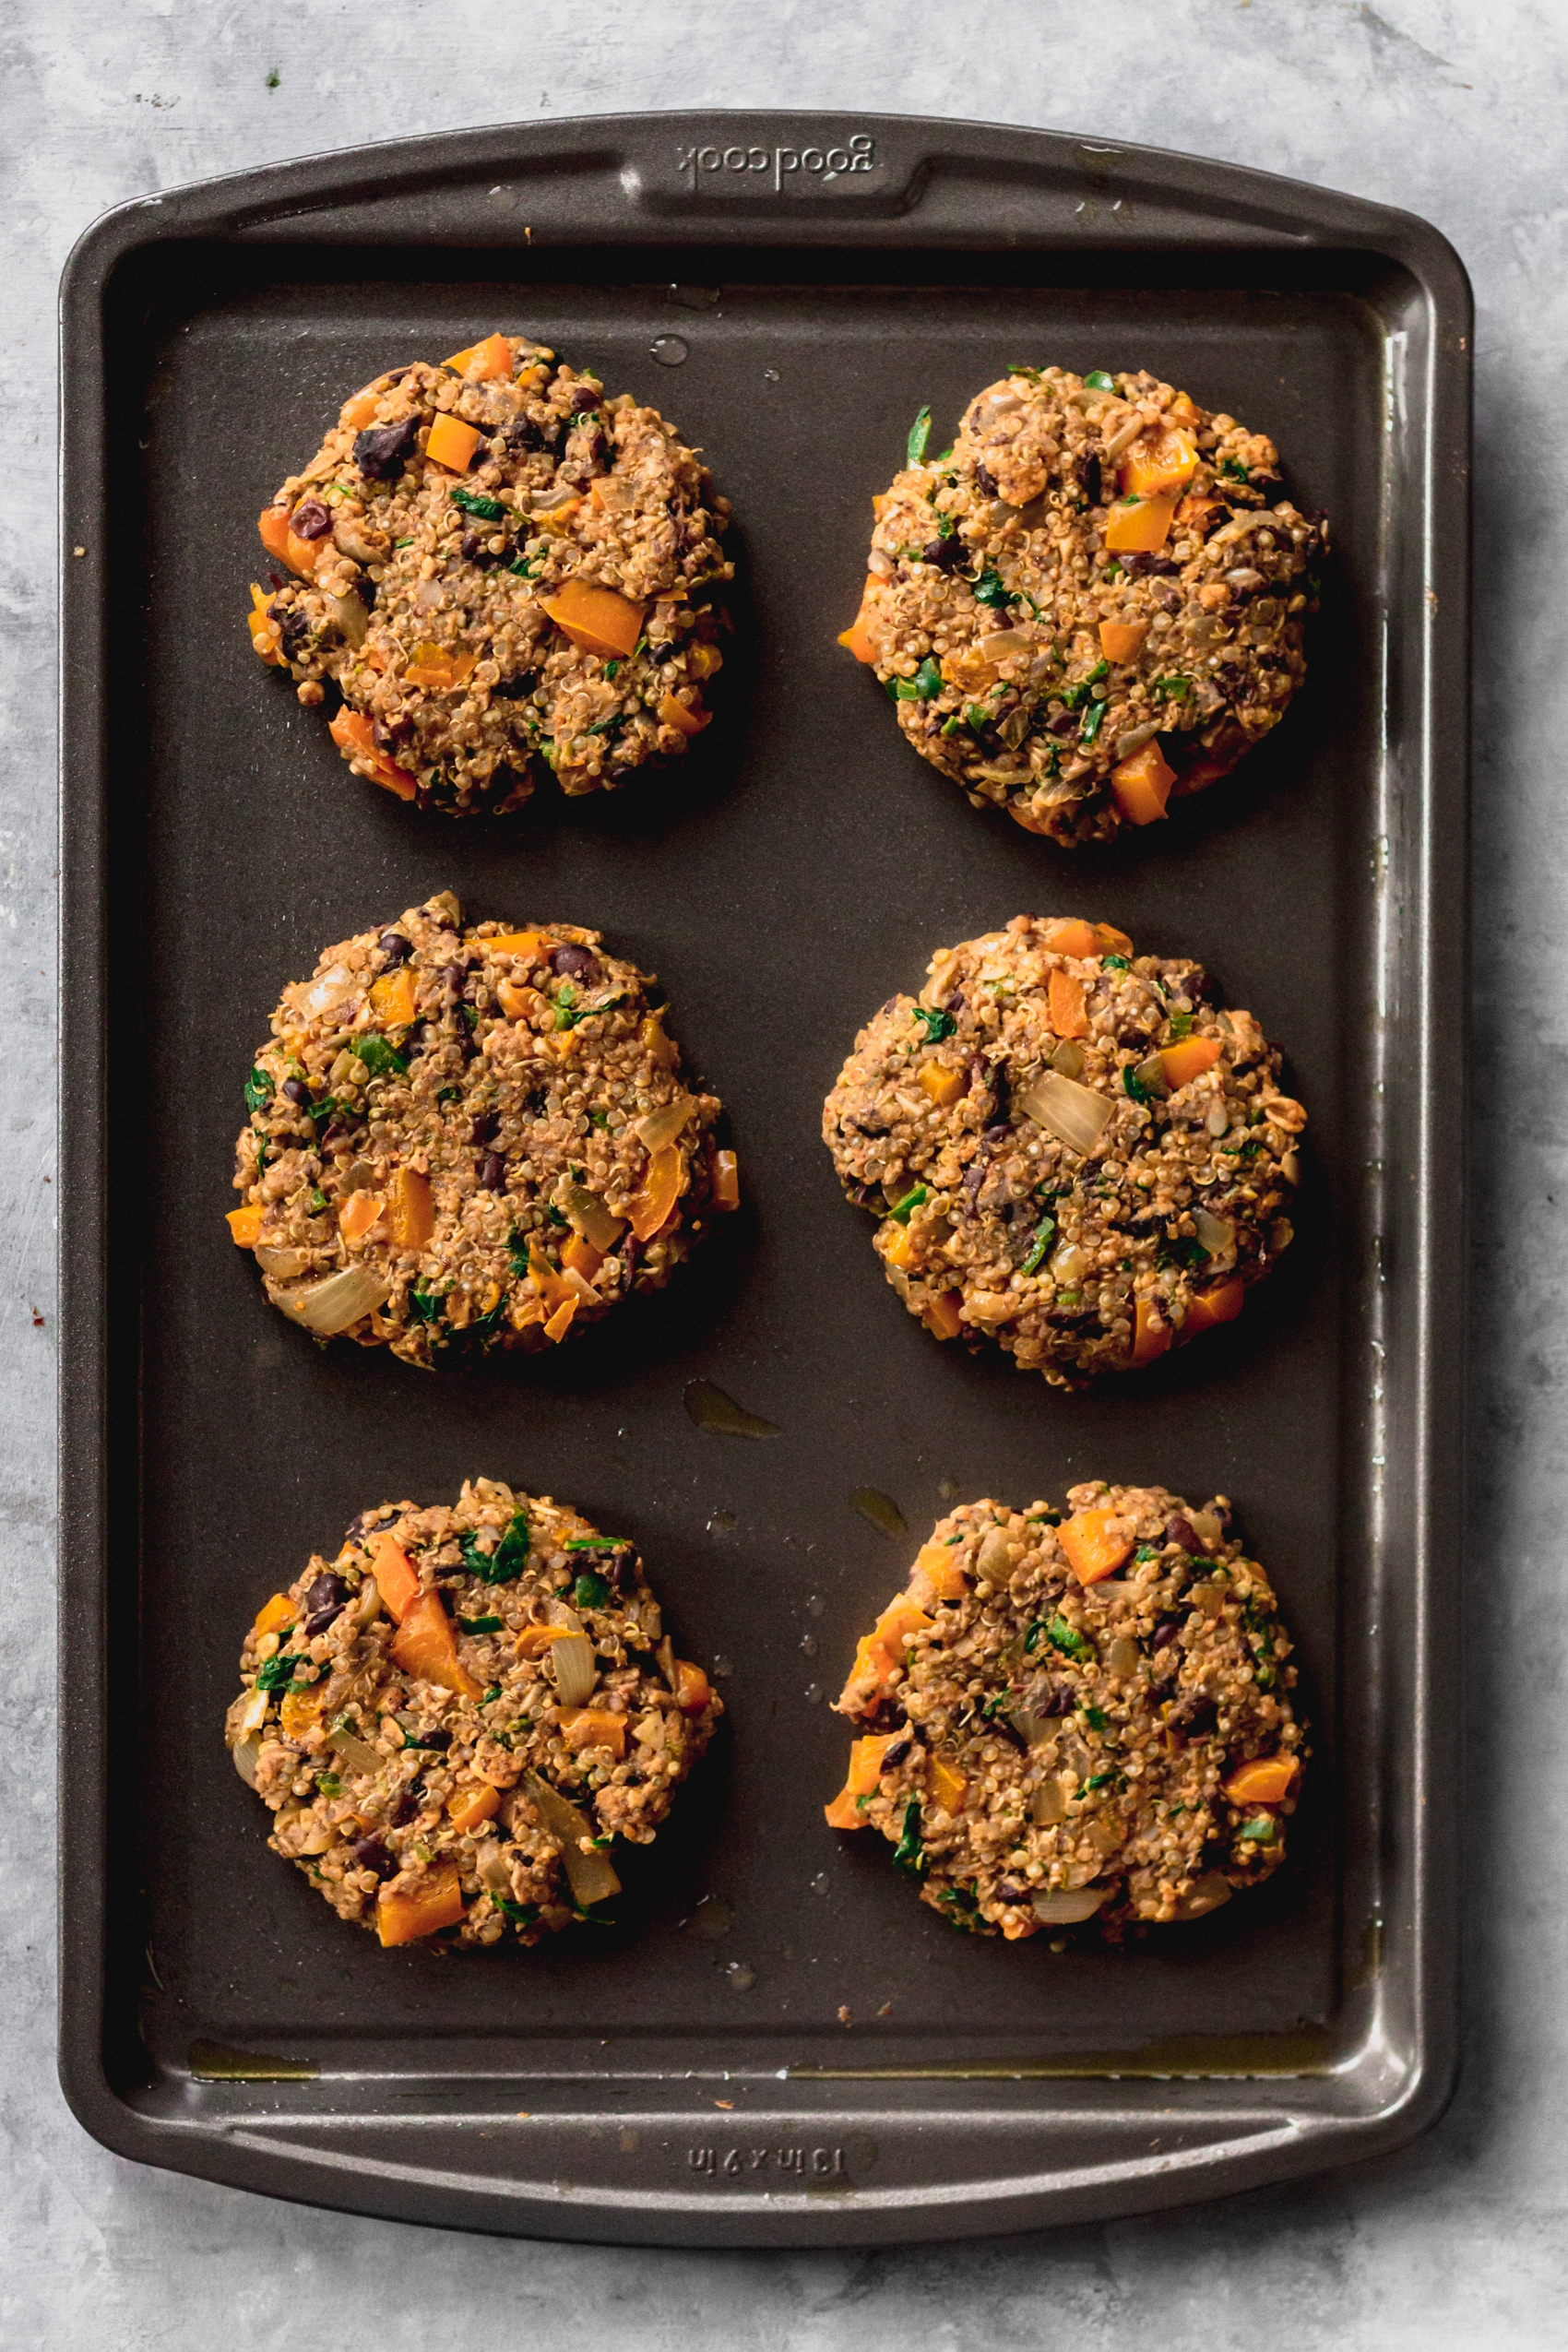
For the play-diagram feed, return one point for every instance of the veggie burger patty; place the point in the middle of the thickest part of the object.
(496, 563)
(467, 1138)
(1067, 1146)
(1096, 598)
(1078, 1719)
(452, 1722)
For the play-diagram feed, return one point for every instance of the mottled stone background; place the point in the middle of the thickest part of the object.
(1455, 110)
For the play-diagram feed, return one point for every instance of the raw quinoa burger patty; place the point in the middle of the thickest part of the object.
(1068, 1147)
(1078, 1719)
(452, 1721)
(496, 563)
(471, 1138)
(1096, 598)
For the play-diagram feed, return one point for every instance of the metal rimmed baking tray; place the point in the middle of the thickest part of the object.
(687, 2076)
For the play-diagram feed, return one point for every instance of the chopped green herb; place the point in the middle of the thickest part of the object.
(598, 1543)
(919, 433)
(517, 1252)
(1183, 1249)
(489, 510)
(1145, 1551)
(1065, 1638)
(1096, 1780)
(1097, 380)
(910, 1854)
(1133, 1086)
(1262, 1830)
(612, 669)
(522, 1915)
(480, 1625)
(258, 1091)
(913, 1199)
(274, 1673)
(1093, 719)
(962, 1907)
(590, 1592)
(1175, 689)
(404, 542)
(379, 1058)
(1232, 470)
(1095, 1718)
(1115, 964)
(426, 1305)
(316, 1203)
(523, 570)
(989, 588)
(1044, 1233)
(1181, 1025)
(329, 1784)
(950, 726)
(938, 1024)
(927, 679)
(506, 1561)
(1031, 372)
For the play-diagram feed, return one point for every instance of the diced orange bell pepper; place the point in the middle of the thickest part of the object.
(1095, 1543)
(358, 1214)
(865, 1764)
(692, 1688)
(1064, 1004)
(359, 411)
(843, 1813)
(592, 1727)
(355, 738)
(518, 1002)
(436, 1900)
(264, 629)
(903, 1250)
(1151, 1333)
(938, 1564)
(1068, 936)
(483, 362)
(1189, 1060)
(948, 1787)
(944, 1316)
(397, 1579)
(277, 1613)
(410, 1212)
(682, 716)
(660, 1190)
(1265, 1781)
(300, 1710)
(1140, 528)
(1158, 462)
(427, 1647)
(1140, 784)
(557, 1324)
(545, 1280)
(534, 1640)
(881, 1652)
(452, 443)
(582, 1257)
(468, 1806)
(726, 1184)
(1220, 1304)
(443, 667)
(856, 638)
(653, 1039)
(1112, 941)
(598, 618)
(392, 998)
(301, 555)
(1121, 640)
(526, 943)
(244, 1224)
(944, 1087)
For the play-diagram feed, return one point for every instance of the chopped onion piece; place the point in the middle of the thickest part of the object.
(355, 1750)
(589, 1875)
(1216, 1233)
(1206, 1893)
(662, 1126)
(491, 1863)
(250, 1714)
(577, 1669)
(281, 1263)
(1150, 1076)
(1069, 1264)
(1049, 1804)
(322, 994)
(557, 1613)
(1070, 1904)
(1035, 1729)
(587, 1212)
(1076, 1115)
(247, 1755)
(1068, 1058)
(1003, 642)
(336, 1301)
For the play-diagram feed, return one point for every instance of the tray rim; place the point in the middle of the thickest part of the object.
(288, 199)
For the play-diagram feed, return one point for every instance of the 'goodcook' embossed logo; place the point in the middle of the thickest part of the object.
(794, 166)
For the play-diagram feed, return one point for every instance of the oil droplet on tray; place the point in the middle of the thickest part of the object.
(948, 1490)
(880, 1509)
(741, 1978)
(815, 1604)
(712, 1919)
(812, 1693)
(722, 1524)
(711, 1409)
(669, 349)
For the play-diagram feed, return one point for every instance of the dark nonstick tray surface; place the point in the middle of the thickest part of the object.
(813, 2057)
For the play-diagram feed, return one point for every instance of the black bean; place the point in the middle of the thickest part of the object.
(1061, 722)
(295, 629)
(974, 1177)
(467, 546)
(484, 1127)
(323, 1599)
(310, 519)
(364, 588)
(492, 1175)
(946, 554)
(1165, 1632)
(383, 450)
(406, 1810)
(1192, 1716)
(435, 1738)
(987, 480)
(370, 1854)
(896, 1753)
(1009, 1891)
(395, 947)
(454, 976)
(296, 1090)
(523, 434)
(998, 1132)
(1062, 1700)
(586, 397)
(574, 963)
(1180, 1530)
(1088, 477)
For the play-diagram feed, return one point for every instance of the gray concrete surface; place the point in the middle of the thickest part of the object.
(1455, 110)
